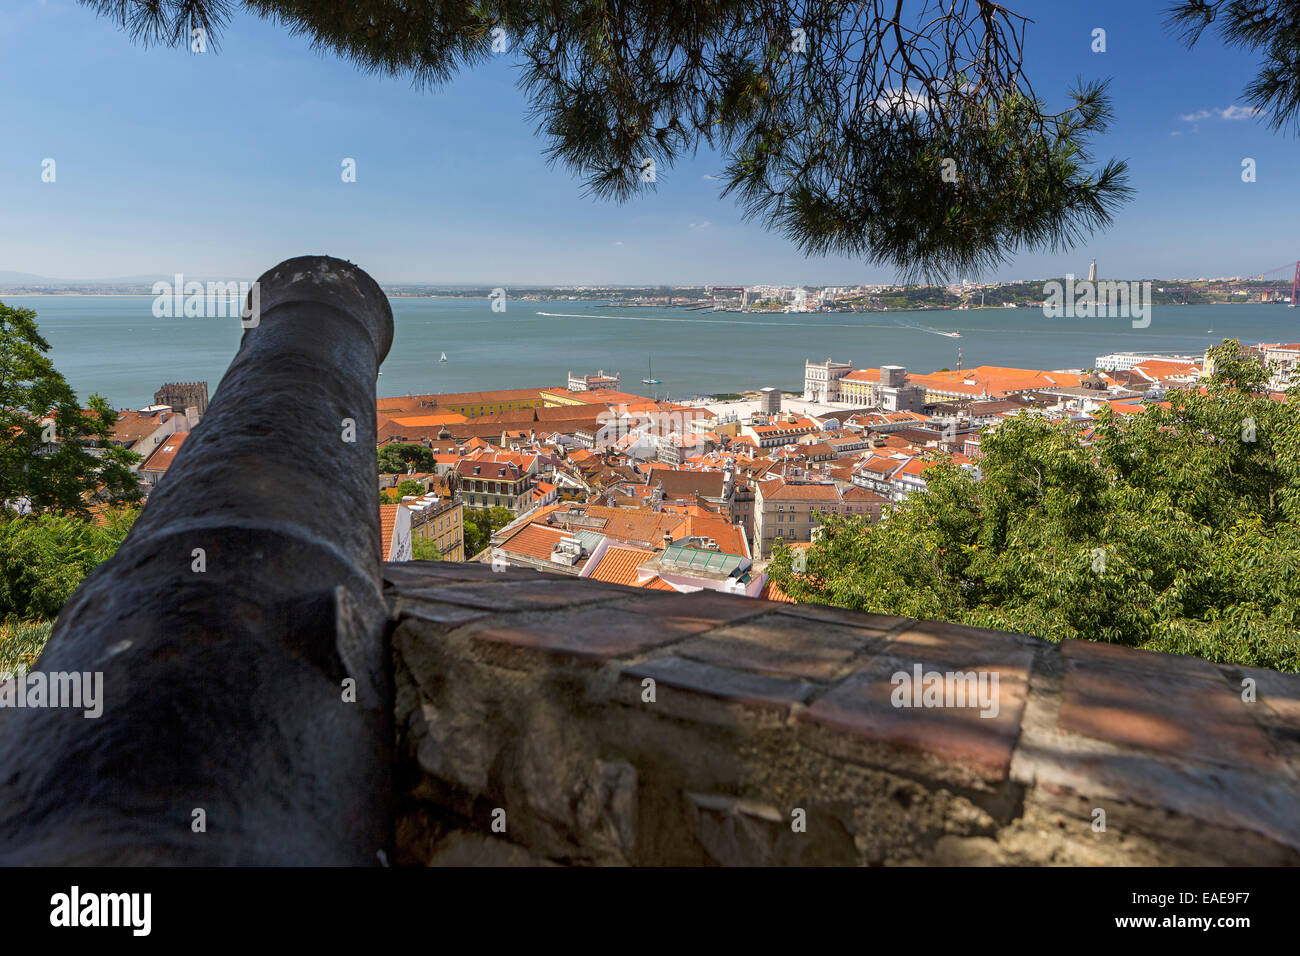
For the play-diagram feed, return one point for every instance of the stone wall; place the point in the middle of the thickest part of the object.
(544, 720)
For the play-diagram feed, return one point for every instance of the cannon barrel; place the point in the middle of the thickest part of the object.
(240, 629)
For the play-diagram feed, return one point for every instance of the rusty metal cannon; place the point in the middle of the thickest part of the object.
(247, 694)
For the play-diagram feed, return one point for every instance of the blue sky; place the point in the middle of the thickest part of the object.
(222, 164)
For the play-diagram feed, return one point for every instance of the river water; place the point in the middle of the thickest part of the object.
(115, 346)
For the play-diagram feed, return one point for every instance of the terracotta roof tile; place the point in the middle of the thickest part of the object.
(387, 524)
(618, 565)
(771, 592)
(657, 583)
(535, 541)
(162, 459)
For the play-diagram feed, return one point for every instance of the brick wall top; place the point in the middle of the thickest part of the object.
(612, 725)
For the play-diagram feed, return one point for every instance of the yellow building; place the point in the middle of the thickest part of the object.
(468, 404)
(440, 521)
(473, 404)
(860, 387)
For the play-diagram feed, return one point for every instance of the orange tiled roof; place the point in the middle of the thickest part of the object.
(534, 541)
(626, 524)
(131, 426)
(162, 459)
(441, 418)
(777, 488)
(618, 565)
(387, 524)
(771, 592)
(657, 583)
(473, 468)
(1159, 368)
(1127, 408)
(728, 536)
(411, 402)
(993, 380)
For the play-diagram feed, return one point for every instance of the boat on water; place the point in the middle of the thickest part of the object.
(443, 359)
(650, 378)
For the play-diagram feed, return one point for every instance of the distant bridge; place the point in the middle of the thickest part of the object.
(1295, 278)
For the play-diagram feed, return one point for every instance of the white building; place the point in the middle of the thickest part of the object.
(583, 383)
(1124, 361)
(821, 380)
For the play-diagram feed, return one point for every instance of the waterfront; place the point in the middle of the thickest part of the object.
(115, 346)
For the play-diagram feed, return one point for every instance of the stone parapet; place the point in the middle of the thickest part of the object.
(548, 720)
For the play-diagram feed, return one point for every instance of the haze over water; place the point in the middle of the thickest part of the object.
(114, 345)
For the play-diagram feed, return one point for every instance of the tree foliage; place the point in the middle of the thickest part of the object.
(397, 458)
(21, 643)
(479, 525)
(1271, 27)
(903, 132)
(425, 549)
(1176, 530)
(36, 406)
(44, 557)
(408, 488)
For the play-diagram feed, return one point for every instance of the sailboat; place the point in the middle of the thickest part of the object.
(650, 379)
(443, 359)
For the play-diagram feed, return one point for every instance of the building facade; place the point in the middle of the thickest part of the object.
(821, 380)
(786, 511)
(490, 484)
(182, 395)
(587, 383)
(440, 521)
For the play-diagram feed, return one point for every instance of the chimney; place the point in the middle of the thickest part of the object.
(668, 539)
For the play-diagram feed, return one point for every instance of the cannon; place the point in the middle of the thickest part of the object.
(239, 630)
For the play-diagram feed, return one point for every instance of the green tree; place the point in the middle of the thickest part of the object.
(44, 557)
(56, 455)
(1177, 529)
(21, 642)
(480, 525)
(403, 490)
(396, 459)
(424, 549)
(890, 130)
(409, 488)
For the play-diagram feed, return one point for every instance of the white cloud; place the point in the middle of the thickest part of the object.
(701, 225)
(1239, 112)
(903, 101)
(1233, 112)
(710, 176)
